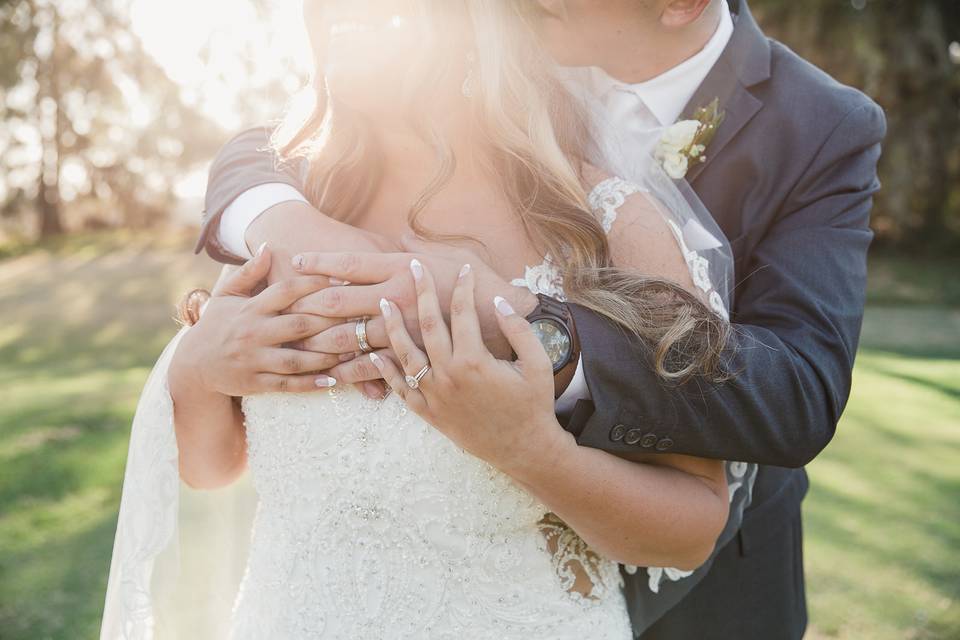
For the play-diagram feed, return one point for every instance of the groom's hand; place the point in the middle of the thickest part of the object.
(373, 276)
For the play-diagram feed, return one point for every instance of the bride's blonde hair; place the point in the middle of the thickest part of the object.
(538, 138)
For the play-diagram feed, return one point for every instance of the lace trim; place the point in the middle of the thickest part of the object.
(699, 268)
(580, 569)
(605, 200)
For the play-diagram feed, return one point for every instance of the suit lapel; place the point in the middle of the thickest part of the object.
(739, 106)
(745, 62)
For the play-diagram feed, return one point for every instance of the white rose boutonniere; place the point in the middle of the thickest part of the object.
(686, 142)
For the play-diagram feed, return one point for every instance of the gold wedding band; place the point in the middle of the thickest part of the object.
(361, 331)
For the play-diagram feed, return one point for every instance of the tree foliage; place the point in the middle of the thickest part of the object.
(904, 54)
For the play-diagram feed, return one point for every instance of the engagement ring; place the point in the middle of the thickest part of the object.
(414, 381)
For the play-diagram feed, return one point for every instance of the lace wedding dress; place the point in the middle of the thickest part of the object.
(369, 523)
(372, 524)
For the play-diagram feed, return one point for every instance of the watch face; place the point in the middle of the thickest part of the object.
(554, 338)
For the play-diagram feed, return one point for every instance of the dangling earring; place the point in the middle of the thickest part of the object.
(467, 87)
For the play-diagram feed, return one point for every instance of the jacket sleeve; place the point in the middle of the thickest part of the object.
(246, 161)
(797, 316)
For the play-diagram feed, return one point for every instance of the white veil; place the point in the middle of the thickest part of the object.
(179, 554)
(629, 154)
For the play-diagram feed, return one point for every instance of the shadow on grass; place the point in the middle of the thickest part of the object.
(58, 468)
(952, 392)
(910, 551)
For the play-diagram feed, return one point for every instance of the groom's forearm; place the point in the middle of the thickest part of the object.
(292, 227)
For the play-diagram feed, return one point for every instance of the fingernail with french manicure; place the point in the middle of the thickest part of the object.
(377, 361)
(416, 269)
(337, 282)
(297, 262)
(324, 382)
(464, 270)
(385, 308)
(503, 307)
(260, 250)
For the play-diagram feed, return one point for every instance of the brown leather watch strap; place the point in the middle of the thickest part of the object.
(563, 377)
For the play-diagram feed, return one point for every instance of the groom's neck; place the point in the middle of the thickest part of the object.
(638, 57)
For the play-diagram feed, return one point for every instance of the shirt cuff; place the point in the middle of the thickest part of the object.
(248, 206)
(576, 390)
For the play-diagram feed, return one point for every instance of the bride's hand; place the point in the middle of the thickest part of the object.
(500, 411)
(236, 348)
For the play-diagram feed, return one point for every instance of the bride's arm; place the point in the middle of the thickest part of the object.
(228, 353)
(211, 445)
(665, 510)
(209, 427)
(661, 509)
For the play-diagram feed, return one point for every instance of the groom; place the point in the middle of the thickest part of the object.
(789, 177)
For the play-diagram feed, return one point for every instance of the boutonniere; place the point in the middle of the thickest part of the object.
(685, 143)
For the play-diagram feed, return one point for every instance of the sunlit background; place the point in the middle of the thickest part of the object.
(127, 101)
(111, 112)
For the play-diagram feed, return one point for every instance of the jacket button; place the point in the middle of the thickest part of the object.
(633, 436)
(665, 444)
(648, 440)
(616, 434)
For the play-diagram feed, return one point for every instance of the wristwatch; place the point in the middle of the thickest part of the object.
(552, 323)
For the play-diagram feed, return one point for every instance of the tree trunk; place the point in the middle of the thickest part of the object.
(48, 207)
(48, 195)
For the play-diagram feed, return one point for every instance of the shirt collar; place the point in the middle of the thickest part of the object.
(666, 95)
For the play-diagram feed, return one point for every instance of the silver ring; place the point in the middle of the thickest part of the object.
(361, 330)
(414, 381)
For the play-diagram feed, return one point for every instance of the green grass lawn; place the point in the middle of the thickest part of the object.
(82, 321)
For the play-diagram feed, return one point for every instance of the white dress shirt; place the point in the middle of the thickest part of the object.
(657, 102)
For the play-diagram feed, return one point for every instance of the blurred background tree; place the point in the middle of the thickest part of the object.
(905, 54)
(98, 130)
(94, 132)
(88, 116)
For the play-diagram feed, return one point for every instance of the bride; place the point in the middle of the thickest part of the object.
(445, 118)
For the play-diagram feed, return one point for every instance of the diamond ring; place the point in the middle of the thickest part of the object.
(414, 381)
